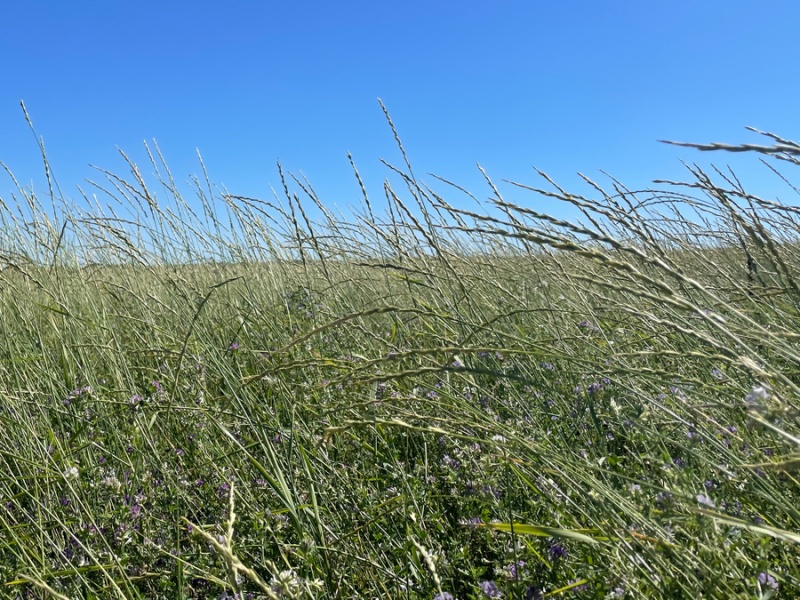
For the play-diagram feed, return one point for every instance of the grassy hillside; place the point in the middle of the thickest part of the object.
(233, 396)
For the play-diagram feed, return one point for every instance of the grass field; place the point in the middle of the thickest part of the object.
(223, 395)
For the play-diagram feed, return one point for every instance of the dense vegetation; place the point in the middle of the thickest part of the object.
(234, 396)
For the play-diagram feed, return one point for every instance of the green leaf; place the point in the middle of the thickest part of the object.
(541, 531)
(774, 532)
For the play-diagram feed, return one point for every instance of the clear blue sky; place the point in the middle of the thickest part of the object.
(566, 86)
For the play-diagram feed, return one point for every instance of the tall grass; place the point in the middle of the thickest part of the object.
(231, 395)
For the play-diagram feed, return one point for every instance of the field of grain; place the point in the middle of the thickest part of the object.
(225, 397)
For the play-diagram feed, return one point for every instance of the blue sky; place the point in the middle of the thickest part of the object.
(564, 86)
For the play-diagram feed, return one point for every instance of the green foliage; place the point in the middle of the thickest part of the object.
(429, 401)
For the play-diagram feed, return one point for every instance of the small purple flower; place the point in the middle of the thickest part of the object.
(557, 552)
(595, 387)
(533, 593)
(515, 569)
(233, 347)
(717, 373)
(767, 580)
(65, 502)
(489, 490)
(490, 589)
(444, 596)
(136, 511)
(757, 395)
(548, 366)
(448, 461)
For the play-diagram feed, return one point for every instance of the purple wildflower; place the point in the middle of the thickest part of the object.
(490, 589)
(515, 568)
(533, 593)
(557, 551)
(767, 580)
(758, 395)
